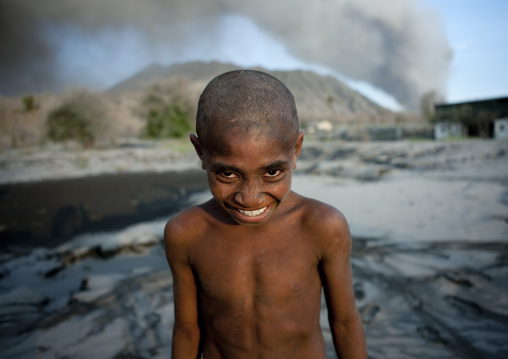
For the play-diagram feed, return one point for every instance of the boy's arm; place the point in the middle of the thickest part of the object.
(186, 334)
(335, 267)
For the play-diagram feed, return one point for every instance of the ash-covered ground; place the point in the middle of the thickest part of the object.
(430, 255)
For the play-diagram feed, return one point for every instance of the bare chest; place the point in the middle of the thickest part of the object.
(256, 269)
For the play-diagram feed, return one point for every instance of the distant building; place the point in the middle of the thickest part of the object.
(448, 129)
(501, 128)
(478, 118)
(324, 126)
(388, 133)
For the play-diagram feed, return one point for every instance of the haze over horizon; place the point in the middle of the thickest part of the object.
(392, 54)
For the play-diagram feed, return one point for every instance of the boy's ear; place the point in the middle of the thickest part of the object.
(298, 147)
(199, 150)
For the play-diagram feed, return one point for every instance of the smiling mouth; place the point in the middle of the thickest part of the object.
(255, 213)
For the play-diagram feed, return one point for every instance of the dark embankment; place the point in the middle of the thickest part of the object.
(46, 214)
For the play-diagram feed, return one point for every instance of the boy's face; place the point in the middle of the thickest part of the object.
(252, 177)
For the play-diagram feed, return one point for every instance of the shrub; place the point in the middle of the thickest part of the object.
(167, 112)
(29, 103)
(81, 118)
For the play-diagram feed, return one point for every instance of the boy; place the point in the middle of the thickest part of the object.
(248, 265)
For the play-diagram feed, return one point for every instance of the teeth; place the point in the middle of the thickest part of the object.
(257, 212)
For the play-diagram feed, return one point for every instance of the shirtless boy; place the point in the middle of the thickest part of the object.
(249, 265)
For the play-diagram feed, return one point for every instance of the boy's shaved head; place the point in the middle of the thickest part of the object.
(245, 102)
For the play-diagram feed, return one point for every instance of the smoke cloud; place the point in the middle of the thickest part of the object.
(398, 46)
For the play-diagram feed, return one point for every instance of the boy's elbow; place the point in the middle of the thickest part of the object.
(185, 341)
(348, 336)
(348, 323)
(186, 332)
(187, 329)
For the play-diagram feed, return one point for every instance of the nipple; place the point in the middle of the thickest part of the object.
(295, 286)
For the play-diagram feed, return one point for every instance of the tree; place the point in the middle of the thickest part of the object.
(82, 117)
(167, 111)
(427, 105)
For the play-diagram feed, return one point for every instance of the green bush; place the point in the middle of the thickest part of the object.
(29, 103)
(167, 112)
(81, 118)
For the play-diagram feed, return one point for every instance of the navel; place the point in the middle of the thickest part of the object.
(262, 299)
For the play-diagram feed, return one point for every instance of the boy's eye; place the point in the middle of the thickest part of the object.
(272, 173)
(229, 174)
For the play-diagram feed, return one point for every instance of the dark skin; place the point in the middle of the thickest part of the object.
(249, 264)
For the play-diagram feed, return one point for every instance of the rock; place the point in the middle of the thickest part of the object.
(368, 313)
(23, 296)
(136, 239)
(359, 291)
(464, 306)
(431, 334)
(78, 254)
(4, 272)
(457, 278)
(132, 319)
(20, 309)
(54, 271)
(93, 287)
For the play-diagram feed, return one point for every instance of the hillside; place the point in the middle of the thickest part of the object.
(317, 97)
(191, 72)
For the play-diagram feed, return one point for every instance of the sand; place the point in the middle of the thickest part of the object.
(60, 162)
(430, 258)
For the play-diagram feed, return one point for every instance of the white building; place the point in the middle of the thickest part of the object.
(444, 130)
(323, 126)
(501, 128)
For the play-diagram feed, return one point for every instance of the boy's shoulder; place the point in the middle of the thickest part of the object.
(317, 211)
(184, 226)
(322, 219)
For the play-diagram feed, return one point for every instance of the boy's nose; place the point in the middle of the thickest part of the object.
(249, 196)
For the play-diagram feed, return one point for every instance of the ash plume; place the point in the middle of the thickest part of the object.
(398, 46)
